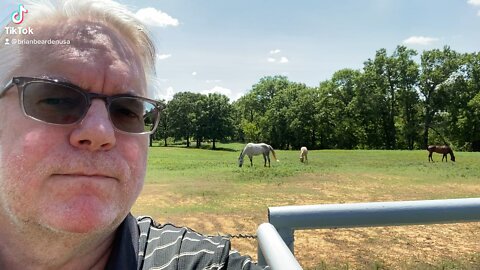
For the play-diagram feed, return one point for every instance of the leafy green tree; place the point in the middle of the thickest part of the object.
(405, 73)
(182, 115)
(340, 122)
(461, 112)
(217, 112)
(371, 107)
(279, 115)
(437, 66)
(247, 118)
(254, 105)
(301, 116)
(265, 90)
(250, 130)
(473, 132)
(200, 119)
(162, 132)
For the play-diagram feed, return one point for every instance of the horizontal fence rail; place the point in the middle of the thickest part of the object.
(375, 214)
(277, 254)
(286, 219)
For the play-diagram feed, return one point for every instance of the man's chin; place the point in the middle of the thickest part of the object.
(84, 218)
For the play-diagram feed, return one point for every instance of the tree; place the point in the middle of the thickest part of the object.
(162, 132)
(254, 107)
(406, 72)
(183, 115)
(217, 112)
(301, 115)
(437, 66)
(339, 121)
(371, 106)
(462, 90)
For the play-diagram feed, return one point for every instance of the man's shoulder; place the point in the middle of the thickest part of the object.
(160, 234)
(168, 246)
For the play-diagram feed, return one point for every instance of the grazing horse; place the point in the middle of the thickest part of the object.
(254, 149)
(441, 149)
(304, 154)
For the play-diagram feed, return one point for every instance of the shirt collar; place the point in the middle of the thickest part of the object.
(124, 255)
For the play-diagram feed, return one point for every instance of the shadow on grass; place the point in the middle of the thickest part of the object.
(204, 147)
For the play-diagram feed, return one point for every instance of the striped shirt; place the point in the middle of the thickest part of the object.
(142, 244)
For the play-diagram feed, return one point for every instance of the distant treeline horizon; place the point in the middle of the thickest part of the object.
(393, 102)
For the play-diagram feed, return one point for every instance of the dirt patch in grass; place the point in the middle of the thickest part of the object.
(446, 246)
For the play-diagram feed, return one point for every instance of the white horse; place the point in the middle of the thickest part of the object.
(254, 149)
(304, 154)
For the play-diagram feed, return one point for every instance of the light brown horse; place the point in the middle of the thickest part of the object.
(441, 149)
(304, 154)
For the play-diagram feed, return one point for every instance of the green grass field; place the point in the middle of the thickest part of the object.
(195, 187)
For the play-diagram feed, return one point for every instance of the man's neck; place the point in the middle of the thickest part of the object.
(43, 249)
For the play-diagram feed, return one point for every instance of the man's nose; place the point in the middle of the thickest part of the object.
(95, 132)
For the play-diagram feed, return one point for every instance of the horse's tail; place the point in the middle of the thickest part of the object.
(273, 153)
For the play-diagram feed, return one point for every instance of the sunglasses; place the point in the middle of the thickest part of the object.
(61, 103)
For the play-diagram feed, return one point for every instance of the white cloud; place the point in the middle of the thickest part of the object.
(218, 89)
(236, 96)
(154, 17)
(213, 81)
(275, 51)
(474, 2)
(163, 56)
(194, 73)
(478, 13)
(283, 60)
(419, 40)
(166, 94)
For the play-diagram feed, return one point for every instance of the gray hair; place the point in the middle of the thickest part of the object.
(110, 13)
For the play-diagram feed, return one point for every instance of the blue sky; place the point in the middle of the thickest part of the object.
(227, 46)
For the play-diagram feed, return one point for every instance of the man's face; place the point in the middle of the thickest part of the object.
(81, 178)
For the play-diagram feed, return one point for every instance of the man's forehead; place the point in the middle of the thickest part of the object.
(94, 50)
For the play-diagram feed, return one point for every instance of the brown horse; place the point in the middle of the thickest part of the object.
(441, 149)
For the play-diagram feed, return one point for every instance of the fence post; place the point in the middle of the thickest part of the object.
(273, 251)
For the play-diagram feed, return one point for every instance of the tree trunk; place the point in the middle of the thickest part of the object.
(425, 131)
(199, 143)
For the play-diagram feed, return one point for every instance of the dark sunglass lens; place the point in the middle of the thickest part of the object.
(133, 115)
(53, 103)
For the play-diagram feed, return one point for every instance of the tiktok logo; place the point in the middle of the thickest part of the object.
(17, 16)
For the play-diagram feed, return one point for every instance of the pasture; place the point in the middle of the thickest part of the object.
(207, 191)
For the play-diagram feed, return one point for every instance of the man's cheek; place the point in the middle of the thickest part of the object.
(34, 144)
(134, 150)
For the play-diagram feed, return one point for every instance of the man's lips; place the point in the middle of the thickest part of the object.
(85, 175)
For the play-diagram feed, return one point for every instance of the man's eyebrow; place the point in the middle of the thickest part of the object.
(61, 79)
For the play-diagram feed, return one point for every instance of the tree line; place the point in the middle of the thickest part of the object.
(399, 101)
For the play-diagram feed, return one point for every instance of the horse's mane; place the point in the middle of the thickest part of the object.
(241, 153)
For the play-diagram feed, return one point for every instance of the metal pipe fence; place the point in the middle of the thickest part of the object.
(277, 254)
(287, 219)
